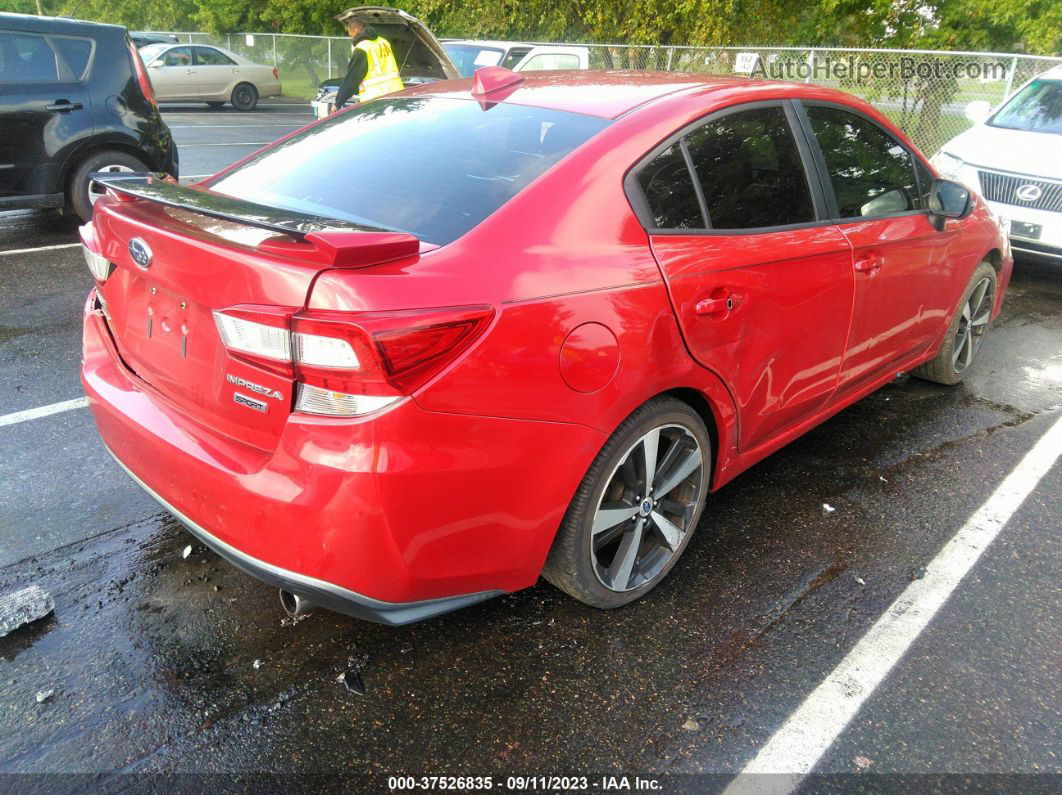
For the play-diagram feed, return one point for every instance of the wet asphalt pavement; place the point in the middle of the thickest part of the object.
(165, 664)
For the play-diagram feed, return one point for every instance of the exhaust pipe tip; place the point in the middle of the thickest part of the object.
(295, 605)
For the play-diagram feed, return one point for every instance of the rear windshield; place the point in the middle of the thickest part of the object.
(431, 166)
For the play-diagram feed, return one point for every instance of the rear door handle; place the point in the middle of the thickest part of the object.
(869, 263)
(63, 105)
(718, 305)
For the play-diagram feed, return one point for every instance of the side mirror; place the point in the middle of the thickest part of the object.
(154, 64)
(978, 111)
(949, 199)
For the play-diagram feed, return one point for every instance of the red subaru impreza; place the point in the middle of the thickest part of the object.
(419, 353)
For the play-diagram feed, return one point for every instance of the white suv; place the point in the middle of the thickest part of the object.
(469, 55)
(1013, 158)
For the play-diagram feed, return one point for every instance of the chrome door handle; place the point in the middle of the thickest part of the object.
(63, 105)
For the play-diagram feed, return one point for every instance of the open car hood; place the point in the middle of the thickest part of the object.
(428, 60)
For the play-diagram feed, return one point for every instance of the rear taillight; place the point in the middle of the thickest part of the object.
(348, 364)
(141, 75)
(275, 75)
(256, 333)
(98, 264)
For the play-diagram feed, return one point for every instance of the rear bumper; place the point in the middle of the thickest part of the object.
(392, 517)
(319, 592)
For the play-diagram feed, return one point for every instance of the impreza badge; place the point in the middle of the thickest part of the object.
(261, 390)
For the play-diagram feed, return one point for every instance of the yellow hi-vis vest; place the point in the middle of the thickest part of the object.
(382, 76)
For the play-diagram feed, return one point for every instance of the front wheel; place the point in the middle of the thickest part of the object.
(245, 97)
(967, 331)
(636, 509)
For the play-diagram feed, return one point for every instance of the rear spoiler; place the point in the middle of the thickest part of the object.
(340, 243)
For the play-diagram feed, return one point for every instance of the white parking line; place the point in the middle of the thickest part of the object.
(795, 749)
(42, 411)
(38, 248)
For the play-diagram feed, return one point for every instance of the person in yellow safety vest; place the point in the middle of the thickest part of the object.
(372, 71)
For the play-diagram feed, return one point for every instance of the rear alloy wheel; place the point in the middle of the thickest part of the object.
(636, 509)
(81, 195)
(967, 330)
(244, 97)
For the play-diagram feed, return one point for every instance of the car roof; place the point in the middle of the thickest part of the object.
(501, 45)
(53, 24)
(610, 94)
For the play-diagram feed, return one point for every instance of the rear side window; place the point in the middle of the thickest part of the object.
(208, 56)
(551, 60)
(431, 166)
(76, 53)
(516, 54)
(669, 190)
(25, 58)
(750, 171)
(871, 173)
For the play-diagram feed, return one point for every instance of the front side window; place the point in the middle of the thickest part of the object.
(208, 56)
(871, 173)
(25, 58)
(750, 171)
(1036, 108)
(431, 166)
(178, 56)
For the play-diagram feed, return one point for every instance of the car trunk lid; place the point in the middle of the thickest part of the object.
(178, 255)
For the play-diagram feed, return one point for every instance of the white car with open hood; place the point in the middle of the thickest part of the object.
(469, 55)
(1013, 157)
(420, 56)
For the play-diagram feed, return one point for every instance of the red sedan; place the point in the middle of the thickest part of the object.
(419, 353)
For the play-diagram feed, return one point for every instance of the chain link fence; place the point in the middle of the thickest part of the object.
(924, 92)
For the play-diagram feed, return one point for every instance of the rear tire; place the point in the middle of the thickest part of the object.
(963, 338)
(79, 195)
(606, 563)
(245, 97)
(216, 105)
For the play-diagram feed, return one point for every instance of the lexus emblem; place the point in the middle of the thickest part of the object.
(140, 252)
(1029, 192)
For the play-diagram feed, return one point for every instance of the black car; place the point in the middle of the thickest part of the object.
(142, 39)
(75, 98)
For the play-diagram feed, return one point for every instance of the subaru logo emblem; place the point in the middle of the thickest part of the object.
(647, 506)
(1029, 192)
(140, 252)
